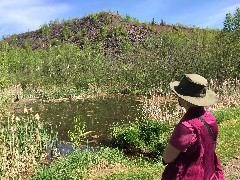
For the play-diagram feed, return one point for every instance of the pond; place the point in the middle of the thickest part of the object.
(99, 114)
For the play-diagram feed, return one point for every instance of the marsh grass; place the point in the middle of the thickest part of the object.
(24, 140)
(23, 146)
(66, 70)
(166, 108)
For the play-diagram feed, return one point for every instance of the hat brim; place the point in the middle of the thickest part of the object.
(209, 99)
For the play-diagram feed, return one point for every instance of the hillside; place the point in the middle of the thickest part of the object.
(110, 30)
(110, 53)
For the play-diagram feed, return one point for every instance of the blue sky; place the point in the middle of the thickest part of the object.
(18, 16)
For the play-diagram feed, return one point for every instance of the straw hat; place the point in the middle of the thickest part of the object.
(193, 88)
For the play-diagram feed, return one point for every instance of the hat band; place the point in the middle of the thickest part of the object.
(187, 92)
(188, 88)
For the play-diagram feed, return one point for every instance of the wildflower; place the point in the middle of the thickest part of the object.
(12, 118)
(37, 117)
(17, 118)
(25, 110)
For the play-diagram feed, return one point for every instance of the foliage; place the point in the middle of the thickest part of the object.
(232, 22)
(5, 103)
(76, 164)
(146, 173)
(148, 135)
(104, 31)
(45, 30)
(145, 67)
(66, 33)
(78, 133)
(230, 38)
(129, 19)
(127, 136)
(154, 133)
(228, 145)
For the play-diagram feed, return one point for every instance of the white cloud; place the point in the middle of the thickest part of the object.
(24, 15)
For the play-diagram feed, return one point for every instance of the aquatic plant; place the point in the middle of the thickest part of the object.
(78, 133)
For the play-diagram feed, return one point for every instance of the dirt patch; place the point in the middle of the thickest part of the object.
(232, 169)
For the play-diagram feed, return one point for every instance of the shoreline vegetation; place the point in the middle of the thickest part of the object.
(59, 62)
(114, 163)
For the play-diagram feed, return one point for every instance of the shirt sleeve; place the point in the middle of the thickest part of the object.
(181, 137)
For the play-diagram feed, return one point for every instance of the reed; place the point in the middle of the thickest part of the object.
(167, 108)
(23, 146)
(229, 93)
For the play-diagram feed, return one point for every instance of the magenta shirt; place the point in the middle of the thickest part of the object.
(197, 159)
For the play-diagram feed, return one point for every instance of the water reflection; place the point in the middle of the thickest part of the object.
(64, 149)
(99, 114)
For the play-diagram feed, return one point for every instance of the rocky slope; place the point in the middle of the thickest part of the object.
(111, 30)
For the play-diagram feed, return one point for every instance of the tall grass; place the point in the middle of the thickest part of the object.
(166, 109)
(23, 144)
(145, 68)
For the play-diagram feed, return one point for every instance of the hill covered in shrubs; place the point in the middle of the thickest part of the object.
(113, 31)
(111, 53)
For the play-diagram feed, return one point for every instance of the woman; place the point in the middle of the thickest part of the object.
(190, 153)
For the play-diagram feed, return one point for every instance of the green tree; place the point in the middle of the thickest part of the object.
(230, 43)
(232, 22)
(228, 23)
(236, 20)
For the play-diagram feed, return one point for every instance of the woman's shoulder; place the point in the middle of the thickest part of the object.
(195, 122)
(209, 117)
(183, 136)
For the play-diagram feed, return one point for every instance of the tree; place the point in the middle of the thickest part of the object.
(230, 43)
(232, 22)
(228, 23)
(236, 20)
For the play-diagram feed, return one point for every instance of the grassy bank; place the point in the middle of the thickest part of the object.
(228, 148)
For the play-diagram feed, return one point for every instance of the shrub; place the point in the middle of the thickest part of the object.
(147, 136)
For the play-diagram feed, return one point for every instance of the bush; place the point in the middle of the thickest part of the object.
(147, 136)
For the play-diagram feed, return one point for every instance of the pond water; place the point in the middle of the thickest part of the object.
(99, 114)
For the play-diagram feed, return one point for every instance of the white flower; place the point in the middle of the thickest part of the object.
(17, 119)
(25, 110)
(37, 117)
